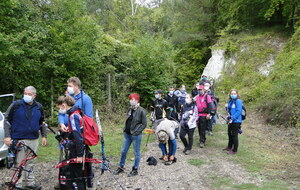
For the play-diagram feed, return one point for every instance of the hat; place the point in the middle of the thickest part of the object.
(152, 161)
(162, 136)
(135, 96)
(158, 92)
(201, 87)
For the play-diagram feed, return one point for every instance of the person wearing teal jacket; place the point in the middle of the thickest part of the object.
(234, 109)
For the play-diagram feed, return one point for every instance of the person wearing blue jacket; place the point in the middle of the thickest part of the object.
(234, 109)
(74, 90)
(23, 121)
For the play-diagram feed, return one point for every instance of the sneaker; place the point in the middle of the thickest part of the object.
(134, 172)
(227, 149)
(119, 170)
(231, 152)
(210, 133)
(187, 152)
(201, 144)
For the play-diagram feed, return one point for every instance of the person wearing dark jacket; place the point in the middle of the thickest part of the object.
(173, 104)
(23, 121)
(234, 109)
(159, 108)
(196, 89)
(204, 80)
(75, 143)
(135, 123)
(203, 103)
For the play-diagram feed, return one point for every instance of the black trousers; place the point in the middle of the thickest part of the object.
(233, 140)
(202, 126)
(186, 131)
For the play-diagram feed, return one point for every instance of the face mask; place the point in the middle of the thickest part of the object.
(201, 92)
(188, 101)
(156, 96)
(27, 98)
(233, 96)
(70, 90)
(183, 89)
(171, 92)
(132, 102)
(203, 78)
(62, 111)
(206, 88)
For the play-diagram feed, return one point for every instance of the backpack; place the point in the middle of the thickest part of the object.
(90, 131)
(214, 105)
(244, 112)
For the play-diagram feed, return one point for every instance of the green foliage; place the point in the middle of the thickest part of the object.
(151, 67)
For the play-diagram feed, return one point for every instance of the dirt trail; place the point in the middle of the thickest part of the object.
(179, 176)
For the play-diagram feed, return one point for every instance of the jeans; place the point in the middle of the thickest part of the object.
(136, 140)
(233, 139)
(190, 132)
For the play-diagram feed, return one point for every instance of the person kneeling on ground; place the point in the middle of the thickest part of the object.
(135, 123)
(165, 133)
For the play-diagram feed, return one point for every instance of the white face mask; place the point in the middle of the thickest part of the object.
(71, 90)
(206, 88)
(27, 98)
(157, 96)
(132, 102)
(62, 111)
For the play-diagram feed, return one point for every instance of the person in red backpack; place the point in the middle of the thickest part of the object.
(74, 142)
(203, 103)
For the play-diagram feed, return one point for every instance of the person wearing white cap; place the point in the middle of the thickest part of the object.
(165, 134)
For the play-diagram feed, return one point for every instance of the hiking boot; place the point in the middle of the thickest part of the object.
(201, 144)
(133, 172)
(119, 170)
(231, 152)
(184, 150)
(210, 133)
(227, 149)
(187, 152)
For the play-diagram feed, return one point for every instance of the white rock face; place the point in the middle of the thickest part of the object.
(215, 65)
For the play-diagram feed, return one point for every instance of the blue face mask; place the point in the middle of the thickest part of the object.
(171, 92)
(203, 78)
(156, 96)
(27, 98)
(233, 96)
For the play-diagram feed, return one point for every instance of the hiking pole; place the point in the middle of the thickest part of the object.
(152, 119)
(104, 165)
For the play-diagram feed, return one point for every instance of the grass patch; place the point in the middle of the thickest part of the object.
(196, 162)
(227, 183)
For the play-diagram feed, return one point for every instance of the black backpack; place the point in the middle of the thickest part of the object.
(244, 112)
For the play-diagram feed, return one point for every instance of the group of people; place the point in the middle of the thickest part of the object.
(177, 113)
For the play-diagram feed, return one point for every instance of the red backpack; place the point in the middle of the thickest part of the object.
(90, 129)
